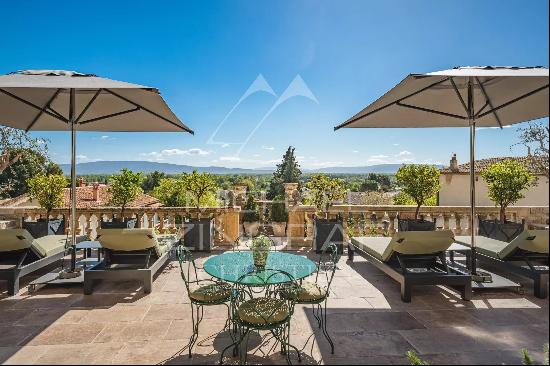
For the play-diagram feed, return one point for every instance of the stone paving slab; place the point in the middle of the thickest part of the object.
(369, 324)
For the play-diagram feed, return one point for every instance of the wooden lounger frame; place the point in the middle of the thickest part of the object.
(439, 274)
(13, 275)
(103, 272)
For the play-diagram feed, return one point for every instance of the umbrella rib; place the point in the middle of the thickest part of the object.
(24, 101)
(150, 111)
(515, 100)
(489, 101)
(110, 115)
(431, 111)
(88, 105)
(390, 104)
(459, 95)
(481, 109)
(35, 119)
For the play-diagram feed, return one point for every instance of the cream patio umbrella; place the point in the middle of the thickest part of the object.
(58, 100)
(471, 97)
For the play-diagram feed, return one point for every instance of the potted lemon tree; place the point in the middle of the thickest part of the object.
(323, 192)
(279, 216)
(251, 218)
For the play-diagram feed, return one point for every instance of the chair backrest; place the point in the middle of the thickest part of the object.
(495, 230)
(415, 225)
(420, 242)
(188, 268)
(242, 293)
(327, 265)
(15, 239)
(127, 240)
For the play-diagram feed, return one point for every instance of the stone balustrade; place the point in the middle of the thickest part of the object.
(367, 220)
(165, 219)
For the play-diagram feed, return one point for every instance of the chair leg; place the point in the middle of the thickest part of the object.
(541, 286)
(148, 282)
(406, 291)
(196, 319)
(467, 292)
(13, 284)
(324, 326)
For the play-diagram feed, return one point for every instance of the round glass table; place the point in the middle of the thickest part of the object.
(230, 267)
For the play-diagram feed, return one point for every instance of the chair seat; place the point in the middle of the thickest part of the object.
(215, 292)
(263, 311)
(307, 292)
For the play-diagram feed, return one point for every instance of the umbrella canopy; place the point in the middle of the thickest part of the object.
(58, 100)
(40, 100)
(500, 96)
(461, 97)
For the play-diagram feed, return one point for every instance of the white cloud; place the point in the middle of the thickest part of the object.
(379, 156)
(154, 155)
(328, 164)
(404, 153)
(395, 144)
(229, 158)
(225, 145)
(82, 158)
(355, 151)
(271, 148)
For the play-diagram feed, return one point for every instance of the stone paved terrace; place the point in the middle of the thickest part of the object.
(369, 324)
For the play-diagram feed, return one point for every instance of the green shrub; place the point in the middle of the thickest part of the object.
(278, 210)
(250, 209)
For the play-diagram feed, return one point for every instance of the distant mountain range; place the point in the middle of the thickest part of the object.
(111, 167)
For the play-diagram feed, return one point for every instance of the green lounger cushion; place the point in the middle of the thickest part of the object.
(263, 311)
(211, 293)
(131, 240)
(535, 241)
(52, 244)
(15, 239)
(405, 242)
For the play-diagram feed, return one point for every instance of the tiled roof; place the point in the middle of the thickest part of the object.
(527, 161)
(85, 198)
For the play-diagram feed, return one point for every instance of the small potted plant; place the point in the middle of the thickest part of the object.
(251, 217)
(261, 245)
(279, 216)
(124, 188)
(323, 192)
(48, 191)
(506, 182)
(199, 232)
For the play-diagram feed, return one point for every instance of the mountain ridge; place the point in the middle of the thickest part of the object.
(111, 167)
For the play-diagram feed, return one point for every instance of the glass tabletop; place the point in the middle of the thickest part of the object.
(232, 266)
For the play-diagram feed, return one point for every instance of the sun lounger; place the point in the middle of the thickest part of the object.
(529, 248)
(129, 254)
(21, 254)
(414, 258)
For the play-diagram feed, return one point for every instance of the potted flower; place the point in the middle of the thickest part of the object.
(199, 231)
(261, 246)
(323, 191)
(251, 217)
(279, 216)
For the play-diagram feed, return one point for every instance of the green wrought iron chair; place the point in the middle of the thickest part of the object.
(201, 292)
(269, 312)
(317, 293)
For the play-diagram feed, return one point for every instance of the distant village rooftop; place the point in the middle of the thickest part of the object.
(88, 196)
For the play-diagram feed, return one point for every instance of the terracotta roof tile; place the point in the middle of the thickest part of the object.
(528, 161)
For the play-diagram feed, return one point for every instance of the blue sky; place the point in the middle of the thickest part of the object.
(337, 56)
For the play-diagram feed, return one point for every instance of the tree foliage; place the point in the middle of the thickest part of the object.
(15, 143)
(124, 188)
(250, 209)
(323, 191)
(47, 190)
(151, 181)
(13, 180)
(200, 186)
(537, 135)
(288, 171)
(506, 181)
(172, 193)
(420, 182)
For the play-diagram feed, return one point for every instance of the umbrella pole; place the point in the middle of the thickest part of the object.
(472, 122)
(73, 180)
